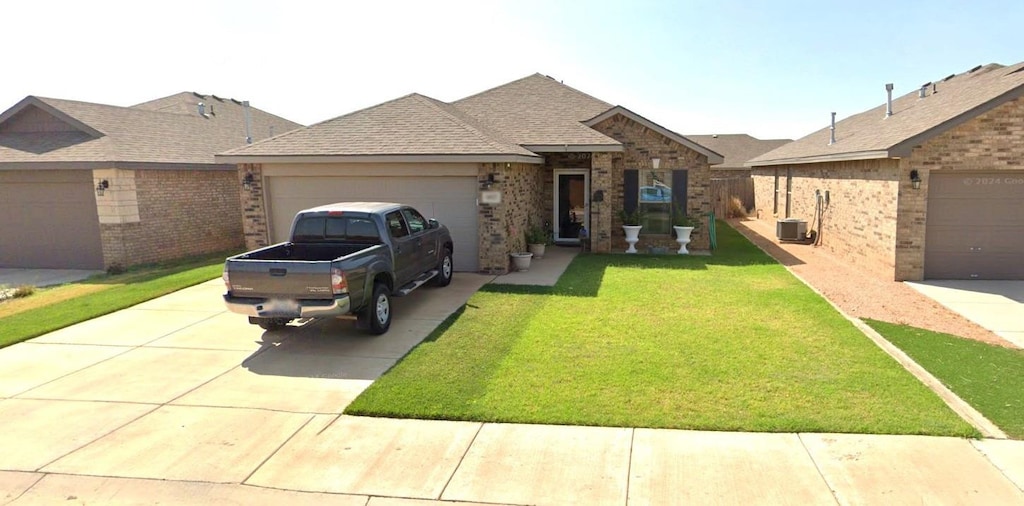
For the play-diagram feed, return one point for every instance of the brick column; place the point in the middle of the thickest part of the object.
(254, 208)
(601, 212)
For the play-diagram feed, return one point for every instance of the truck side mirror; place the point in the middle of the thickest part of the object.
(432, 223)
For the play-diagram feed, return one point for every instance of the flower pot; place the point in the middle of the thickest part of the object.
(537, 250)
(683, 238)
(632, 236)
(521, 261)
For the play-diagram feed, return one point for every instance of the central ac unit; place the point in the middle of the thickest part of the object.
(791, 229)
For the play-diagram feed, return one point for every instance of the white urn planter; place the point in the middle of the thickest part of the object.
(632, 236)
(683, 238)
(521, 261)
(537, 250)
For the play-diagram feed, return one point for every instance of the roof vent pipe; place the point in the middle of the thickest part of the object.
(923, 92)
(248, 122)
(832, 133)
(202, 109)
(935, 88)
(888, 100)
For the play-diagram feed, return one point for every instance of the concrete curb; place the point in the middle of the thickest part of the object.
(958, 405)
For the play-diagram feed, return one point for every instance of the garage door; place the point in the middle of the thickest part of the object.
(452, 200)
(975, 226)
(48, 220)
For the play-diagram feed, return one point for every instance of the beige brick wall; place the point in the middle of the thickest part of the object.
(641, 145)
(502, 227)
(181, 213)
(859, 223)
(253, 215)
(992, 141)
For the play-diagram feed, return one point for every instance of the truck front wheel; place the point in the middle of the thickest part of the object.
(378, 312)
(444, 269)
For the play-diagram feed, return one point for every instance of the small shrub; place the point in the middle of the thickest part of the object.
(116, 269)
(736, 209)
(23, 291)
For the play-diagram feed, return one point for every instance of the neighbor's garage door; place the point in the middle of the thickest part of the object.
(452, 200)
(48, 220)
(975, 226)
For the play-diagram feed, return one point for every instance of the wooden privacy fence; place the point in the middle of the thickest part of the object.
(722, 190)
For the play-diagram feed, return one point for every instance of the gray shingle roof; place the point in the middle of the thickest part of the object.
(410, 125)
(539, 111)
(871, 134)
(163, 131)
(737, 148)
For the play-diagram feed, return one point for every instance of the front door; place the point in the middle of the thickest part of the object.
(572, 205)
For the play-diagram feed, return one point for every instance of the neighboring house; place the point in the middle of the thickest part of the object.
(934, 190)
(91, 186)
(737, 149)
(530, 152)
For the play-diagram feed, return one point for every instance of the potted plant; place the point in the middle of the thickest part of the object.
(684, 225)
(631, 225)
(536, 241)
(521, 260)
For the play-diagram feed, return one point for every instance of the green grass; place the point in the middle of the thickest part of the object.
(729, 342)
(66, 305)
(990, 378)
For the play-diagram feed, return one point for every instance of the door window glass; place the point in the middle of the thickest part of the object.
(417, 223)
(396, 224)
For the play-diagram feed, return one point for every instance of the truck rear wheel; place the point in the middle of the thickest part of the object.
(378, 312)
(444, 269)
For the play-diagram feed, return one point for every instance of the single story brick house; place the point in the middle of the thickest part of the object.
(533, 152)
(91, 186)
(929, 187)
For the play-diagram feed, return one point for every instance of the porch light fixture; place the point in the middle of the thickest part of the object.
(489, 181)
(101, 187)
(915, 179)
(247, 181)
(655, 163)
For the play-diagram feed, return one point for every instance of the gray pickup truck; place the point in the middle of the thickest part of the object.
(345, 261)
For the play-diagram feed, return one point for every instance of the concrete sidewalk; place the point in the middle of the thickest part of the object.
(177, 401)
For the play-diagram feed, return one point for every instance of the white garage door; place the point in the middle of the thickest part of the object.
(452, 200)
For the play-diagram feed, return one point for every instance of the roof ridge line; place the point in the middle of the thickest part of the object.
(463, 123)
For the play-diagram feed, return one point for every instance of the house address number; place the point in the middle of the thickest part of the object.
(984, 181)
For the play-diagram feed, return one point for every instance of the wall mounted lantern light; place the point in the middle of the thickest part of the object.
(915, 179)
(489, 181)
(247, 181)
(101, 187)
(655, 163)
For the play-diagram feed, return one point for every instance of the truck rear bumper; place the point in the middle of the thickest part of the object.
(287, 308)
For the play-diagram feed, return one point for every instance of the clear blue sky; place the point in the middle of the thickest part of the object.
(769, 68)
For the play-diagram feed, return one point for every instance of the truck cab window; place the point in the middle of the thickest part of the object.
(396, 224)
(417, 223)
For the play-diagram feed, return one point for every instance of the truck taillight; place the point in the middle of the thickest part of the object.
(227, 280)
(338, 283)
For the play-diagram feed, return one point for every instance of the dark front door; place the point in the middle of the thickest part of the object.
(570, 206)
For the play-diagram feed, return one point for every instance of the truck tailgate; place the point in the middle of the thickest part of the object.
(294, 279)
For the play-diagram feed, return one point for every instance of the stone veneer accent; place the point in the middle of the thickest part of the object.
(159, 215)
(641, 145)
(875, 217)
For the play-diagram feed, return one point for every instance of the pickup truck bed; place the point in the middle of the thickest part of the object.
(305, 252)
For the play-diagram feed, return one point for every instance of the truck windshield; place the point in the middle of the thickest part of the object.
(335, 229)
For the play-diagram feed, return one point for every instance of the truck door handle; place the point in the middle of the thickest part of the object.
(278, 272)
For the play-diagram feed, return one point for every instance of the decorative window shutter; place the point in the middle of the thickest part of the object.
(631, 188)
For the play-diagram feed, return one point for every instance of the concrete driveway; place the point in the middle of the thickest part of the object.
(176, 401)
(995, 305)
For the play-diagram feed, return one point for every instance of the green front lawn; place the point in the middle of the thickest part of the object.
(990, 378)
(728, 342)
(54, 308)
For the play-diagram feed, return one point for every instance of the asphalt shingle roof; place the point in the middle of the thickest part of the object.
(410, 125)
(914, 119)
(539, 111)
(737, 148)
(168, 130)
